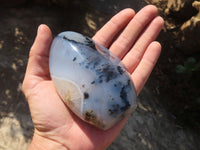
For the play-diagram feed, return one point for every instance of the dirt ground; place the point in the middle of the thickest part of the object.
(178, 69)
(151, 126)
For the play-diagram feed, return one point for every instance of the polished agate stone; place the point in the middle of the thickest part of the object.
(91, 81)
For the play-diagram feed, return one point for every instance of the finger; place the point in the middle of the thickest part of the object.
(134, 56)
(145, 67)
(42, 42)
(128, 37)
(107, 33)
(38, 64)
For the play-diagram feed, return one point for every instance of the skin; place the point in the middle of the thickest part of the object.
(56, 127)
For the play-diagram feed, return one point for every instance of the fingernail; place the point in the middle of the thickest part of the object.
(40, 28)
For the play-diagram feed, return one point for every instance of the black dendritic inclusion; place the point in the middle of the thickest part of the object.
(104, 70)
(90, 116)
(93, 82)
(88, 42)
(120, 70)
(65, 38)
(116, 109)
(74, 59)
(86, 95)
(124, 97)
(106, 73)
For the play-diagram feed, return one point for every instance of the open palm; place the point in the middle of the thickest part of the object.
(56, 127)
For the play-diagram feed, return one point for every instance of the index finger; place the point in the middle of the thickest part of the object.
(107, 33)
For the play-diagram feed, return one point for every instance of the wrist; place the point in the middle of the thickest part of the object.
(42, 143)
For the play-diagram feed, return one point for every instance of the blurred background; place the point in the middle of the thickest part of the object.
(168, 113)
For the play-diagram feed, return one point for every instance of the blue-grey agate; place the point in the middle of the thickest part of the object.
(91, 80)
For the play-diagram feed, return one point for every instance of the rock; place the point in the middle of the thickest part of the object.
(11, 133)
(190, 31)
(178, 8)
(91, 80)
(182, 22)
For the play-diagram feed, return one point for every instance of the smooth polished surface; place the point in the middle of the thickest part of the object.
(91, 80)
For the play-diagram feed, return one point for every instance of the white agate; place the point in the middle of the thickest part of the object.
(90, 80)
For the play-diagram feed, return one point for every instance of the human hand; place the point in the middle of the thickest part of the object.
(56, 127)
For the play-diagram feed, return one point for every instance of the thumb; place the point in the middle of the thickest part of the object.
(38, 63)
(42, 42)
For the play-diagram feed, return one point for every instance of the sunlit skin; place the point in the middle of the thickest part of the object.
(56, 127)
